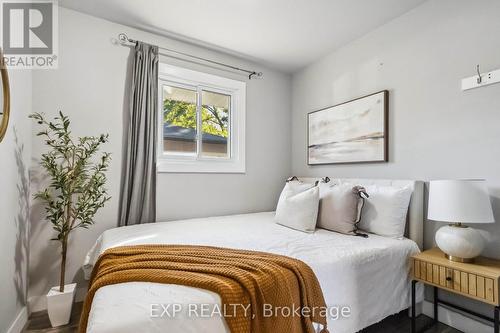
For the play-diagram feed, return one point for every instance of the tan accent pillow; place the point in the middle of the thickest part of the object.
(340, 207)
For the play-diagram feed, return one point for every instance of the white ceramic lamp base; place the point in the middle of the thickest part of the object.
(460, 243)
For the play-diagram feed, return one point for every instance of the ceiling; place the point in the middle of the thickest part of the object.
(285, 34)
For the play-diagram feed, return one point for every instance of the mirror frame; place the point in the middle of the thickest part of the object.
(4, 122)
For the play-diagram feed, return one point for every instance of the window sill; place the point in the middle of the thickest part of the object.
(200, 166)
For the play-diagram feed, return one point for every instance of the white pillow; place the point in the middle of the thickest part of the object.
(384, 212)
(298, 206)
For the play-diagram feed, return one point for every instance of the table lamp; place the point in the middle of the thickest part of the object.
(458, 202)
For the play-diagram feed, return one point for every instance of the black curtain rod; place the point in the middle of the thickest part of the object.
(124, 39)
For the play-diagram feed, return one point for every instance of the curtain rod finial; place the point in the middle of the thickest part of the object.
(256, 74)
(123, 38)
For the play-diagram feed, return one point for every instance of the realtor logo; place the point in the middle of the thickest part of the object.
(29, 34)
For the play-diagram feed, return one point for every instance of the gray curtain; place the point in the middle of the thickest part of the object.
(138, 195)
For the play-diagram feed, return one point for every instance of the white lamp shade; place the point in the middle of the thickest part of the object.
(459, 201)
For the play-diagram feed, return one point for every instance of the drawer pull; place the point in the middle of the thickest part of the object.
(449, 278)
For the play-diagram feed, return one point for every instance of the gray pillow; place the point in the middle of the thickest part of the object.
(340, 207)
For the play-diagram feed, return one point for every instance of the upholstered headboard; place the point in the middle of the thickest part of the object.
(415, 217)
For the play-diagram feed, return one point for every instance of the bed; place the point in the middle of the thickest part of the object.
(368, 276)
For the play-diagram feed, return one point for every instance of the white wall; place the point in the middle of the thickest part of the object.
(436, 131)
(15, 155)
(90, 86)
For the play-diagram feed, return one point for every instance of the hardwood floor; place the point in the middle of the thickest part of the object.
(39, 323)
(401, 323)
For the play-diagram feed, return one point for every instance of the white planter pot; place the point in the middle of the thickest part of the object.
(59, 304)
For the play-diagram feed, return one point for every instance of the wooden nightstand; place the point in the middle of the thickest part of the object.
(478, 280)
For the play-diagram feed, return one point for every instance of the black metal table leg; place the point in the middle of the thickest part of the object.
(413, 284)
(436, 301)
(496, 320)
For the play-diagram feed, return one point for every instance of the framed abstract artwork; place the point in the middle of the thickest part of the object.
(352, 132)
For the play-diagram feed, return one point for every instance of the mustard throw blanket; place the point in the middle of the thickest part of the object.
(261, 282)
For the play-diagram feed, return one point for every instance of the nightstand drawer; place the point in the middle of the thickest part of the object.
(466, 283)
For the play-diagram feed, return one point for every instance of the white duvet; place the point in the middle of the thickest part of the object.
(370, 275)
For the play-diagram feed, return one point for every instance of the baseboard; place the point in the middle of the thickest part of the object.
(20, 321)
(456, 319)
(39, 303)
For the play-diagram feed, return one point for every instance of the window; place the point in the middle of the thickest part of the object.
(202, 122)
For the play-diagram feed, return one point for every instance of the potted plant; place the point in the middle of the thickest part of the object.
(75, 193)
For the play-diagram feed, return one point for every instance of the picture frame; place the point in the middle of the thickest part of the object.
(355, 131)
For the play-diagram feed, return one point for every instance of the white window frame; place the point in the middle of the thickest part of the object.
(198, 81)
